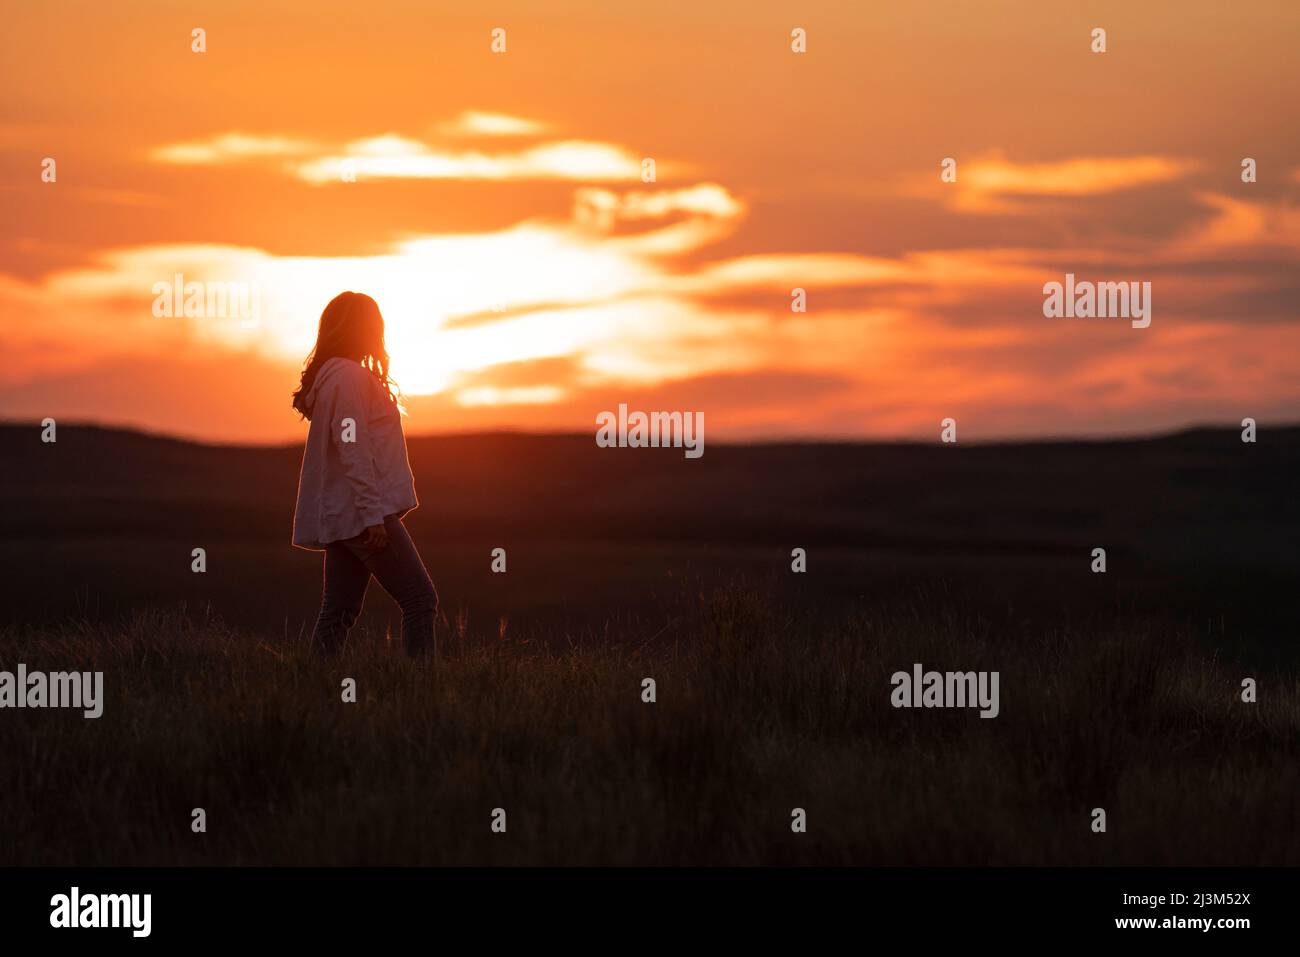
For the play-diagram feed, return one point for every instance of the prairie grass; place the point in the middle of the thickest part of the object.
(759, 710)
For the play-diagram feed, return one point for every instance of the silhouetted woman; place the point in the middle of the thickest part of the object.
(356, 482)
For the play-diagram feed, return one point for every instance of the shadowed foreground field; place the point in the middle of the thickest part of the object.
(1118, 690)
(759, 711)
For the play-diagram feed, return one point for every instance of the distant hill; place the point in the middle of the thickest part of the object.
(105, 519)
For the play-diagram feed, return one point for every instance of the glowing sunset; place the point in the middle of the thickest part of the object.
(643, 445)
(545, 242)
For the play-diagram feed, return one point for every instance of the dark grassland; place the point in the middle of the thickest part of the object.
(1119, 691)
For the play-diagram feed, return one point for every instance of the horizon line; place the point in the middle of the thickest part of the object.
(1046, 439)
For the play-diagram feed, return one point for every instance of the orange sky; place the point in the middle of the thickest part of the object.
(531, 279)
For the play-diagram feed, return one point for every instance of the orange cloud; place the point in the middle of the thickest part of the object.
(393, 156)
(232, 148)
(472, 123)
(1242, 223)
(993, 184)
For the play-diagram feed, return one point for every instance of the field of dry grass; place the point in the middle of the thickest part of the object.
(758, 711)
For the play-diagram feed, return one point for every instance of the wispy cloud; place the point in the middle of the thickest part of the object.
(396, 156)
(602, 207)
(473, 123)
(228, 148)
(1241, 223)
(392, 157)
(991, 183)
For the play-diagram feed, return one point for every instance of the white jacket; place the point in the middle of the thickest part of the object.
(352, 477)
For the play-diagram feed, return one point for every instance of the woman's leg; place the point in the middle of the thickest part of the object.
(402, 574)
(346, 578)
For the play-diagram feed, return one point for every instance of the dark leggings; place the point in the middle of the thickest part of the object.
(399, 571)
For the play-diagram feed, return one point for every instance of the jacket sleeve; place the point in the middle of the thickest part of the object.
(351, 400)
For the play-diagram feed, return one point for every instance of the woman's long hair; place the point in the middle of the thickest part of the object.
(351, 327)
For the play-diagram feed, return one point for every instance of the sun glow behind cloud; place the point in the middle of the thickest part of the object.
(598, 296)
(458, 304)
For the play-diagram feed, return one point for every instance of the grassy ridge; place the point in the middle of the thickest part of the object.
(759, 710)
